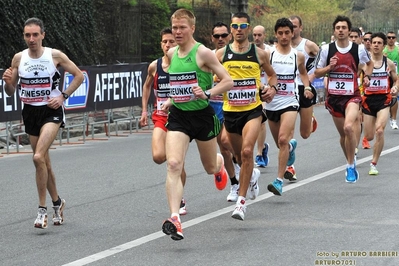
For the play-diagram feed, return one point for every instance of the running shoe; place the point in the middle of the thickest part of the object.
(265, 155)
(276, 187)
(233, 195)
(172, 227)
(253, 188)
(58, 216)
(41, 220)
(239, 210)
(259, 162)
(183, 210)
(393, 124)
(221, 177)
(290, 173)
(352, 175)
(373, 170)
(314, 123)
(291, 158)
(365, 143)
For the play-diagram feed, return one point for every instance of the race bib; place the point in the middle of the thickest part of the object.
(181, 86)
(286, 85)
(243, 92)
(341, 83)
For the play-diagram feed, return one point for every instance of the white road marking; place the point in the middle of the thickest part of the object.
(145, 239)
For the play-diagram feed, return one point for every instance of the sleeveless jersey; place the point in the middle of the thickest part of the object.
(309, 61)
(380, 82)
(245, 71)
(342, 80)
(184, 74)
(39, 78)
(161, 87)
(285, 66)
(393, 55)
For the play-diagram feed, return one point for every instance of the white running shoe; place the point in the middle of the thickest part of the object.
(41, 219)
(253, 188)
(183, 209)
(239, 210)
(393, 124)
(233, 195)
(58, 216)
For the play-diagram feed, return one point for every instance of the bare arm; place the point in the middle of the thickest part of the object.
(10, 75)
(368, 70)
(269, 91)
(394, 76)
(303, 74)
(147, 92)
(61, 59)
(207, 59)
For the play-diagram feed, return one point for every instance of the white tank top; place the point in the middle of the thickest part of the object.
(39, 78)
(310, 67)
(285, 67)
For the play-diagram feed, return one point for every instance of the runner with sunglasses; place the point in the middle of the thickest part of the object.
(392, 52)
(220, 38)
(243, 112)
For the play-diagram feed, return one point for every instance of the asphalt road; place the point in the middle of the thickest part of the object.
(116, 202)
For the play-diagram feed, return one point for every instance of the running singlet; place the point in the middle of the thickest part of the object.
(309, 61)
(161, 88)
(342, 80)
(285, 66)
(245, 71)
(393, 55)
(39, 78)
(184, 74)
(380, 82)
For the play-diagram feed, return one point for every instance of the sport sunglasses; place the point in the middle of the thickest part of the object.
(240, 25)
(217, 36)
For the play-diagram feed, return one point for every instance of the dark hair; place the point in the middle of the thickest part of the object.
(219, 25)
(357, 30)
(342, 18)
(298, 18)
(392, 32)
(369, 32)
(283, 22)
(35, 21)
(165, 31)
(379, 35)
(242, 15)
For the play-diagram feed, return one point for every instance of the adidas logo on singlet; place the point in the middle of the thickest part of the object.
(210, 134)
(188, 60)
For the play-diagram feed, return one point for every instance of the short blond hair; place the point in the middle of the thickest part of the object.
(184, 13)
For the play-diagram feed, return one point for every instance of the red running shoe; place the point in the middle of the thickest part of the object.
(172, 227)
(365, 143)
(222, 176)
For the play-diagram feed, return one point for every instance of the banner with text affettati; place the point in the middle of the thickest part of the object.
(104, 87)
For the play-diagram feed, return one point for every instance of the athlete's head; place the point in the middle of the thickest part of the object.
(284, 31)
(259, 35)
(167, 40)
(220, 35)
(297, 22)
(391, 38)
(240, 27)
(355, 35)
(379, 35)
(183, 25)
(340, 18)
(34, 33)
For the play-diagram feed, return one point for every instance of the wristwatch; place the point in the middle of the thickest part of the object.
(207, 94)
(66, 96)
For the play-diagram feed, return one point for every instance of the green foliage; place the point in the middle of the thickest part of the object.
(69, 27)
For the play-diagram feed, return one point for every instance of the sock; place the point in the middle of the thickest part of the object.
(233, 180)
(57, 202)
(279, 179)
(240, 198)
(290, 147)
(175, 214)
(351, 166)
(373, 163)
(41, 207)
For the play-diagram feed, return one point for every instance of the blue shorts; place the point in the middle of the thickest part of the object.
(218, 107)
